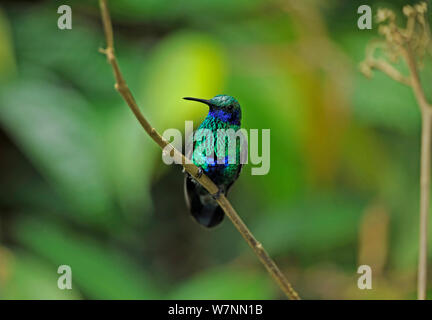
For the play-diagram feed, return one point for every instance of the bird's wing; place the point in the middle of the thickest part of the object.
(243, 156)
(237, 175)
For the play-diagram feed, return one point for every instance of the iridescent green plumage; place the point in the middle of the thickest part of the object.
(223, 167)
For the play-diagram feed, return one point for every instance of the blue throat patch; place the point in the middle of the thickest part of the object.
(225, 116)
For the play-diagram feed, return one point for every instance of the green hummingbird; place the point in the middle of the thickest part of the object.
(224, 113)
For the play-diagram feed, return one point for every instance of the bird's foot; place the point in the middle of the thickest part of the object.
(217, 195)
(199, 173)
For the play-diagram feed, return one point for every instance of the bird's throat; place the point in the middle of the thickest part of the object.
(224, 116)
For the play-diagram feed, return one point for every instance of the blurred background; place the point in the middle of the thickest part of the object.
(82, 185)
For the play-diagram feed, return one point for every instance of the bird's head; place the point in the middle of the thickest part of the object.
(223, 107)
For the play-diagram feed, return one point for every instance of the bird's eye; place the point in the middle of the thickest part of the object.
(230, 107)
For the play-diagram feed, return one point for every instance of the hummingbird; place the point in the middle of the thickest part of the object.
(224, 113)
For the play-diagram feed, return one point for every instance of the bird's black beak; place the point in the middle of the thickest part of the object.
(207, 102)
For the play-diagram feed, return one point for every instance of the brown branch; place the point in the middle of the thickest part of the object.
(415, 78)
(389, 70)
(380, 64)
(411, 43)
(123, 89)
(424, 203)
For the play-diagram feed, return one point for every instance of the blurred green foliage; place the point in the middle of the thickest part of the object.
(82, 185)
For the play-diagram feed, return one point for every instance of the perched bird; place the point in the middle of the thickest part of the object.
(224, 113)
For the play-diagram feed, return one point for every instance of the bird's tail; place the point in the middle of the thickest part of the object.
(203, 208)
(209, 215)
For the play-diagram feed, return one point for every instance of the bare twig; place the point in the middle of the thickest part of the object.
(123, 89)
(425, 159)
(388, 69)
(424, 202)
(382, 65)
(410, 43)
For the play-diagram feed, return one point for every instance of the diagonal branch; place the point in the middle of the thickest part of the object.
(122, 88)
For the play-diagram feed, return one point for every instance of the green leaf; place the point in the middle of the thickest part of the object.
(226, 283)
(71, 53)
(57, 131)
(7, 58)
(310, 226)
(129, 156)
(163, 10)
(30, 278)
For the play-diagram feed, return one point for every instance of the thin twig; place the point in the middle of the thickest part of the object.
(415, 78)
(123, 89)
(380, 64)
(425, 159)
(424, 203)
(389, 70)
(410, 43)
